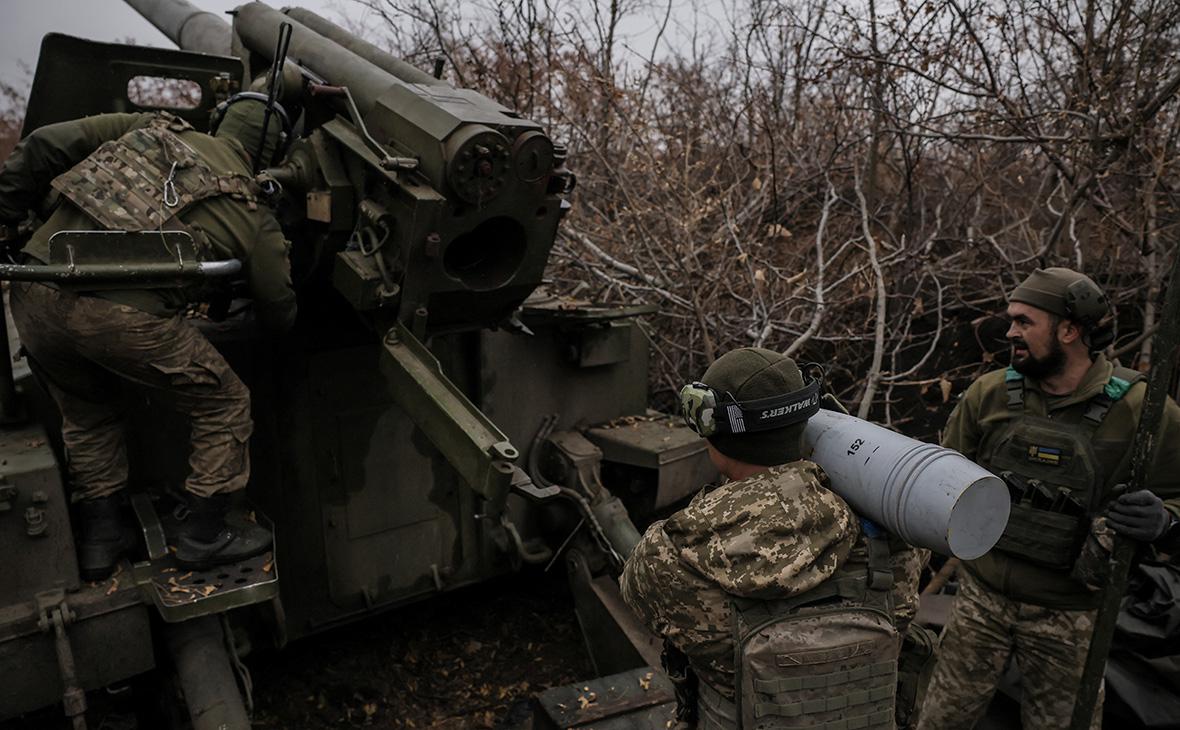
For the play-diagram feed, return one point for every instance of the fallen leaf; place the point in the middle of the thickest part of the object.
(370, 709)
(946, 387)
(645, 681)
(774, 230)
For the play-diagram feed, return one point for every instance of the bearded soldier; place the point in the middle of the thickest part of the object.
(1057, 425)
(767, 587)
(149, 172)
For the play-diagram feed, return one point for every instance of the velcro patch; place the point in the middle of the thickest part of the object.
(1046, 455)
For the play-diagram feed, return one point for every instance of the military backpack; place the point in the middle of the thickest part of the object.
(824, 659)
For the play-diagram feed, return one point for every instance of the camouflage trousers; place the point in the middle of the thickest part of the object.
(1048, 645)
(85, 349)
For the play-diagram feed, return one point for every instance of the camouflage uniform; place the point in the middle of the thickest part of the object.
(83, 347)
(1009, 606)
(774, 535)
(907, 563)
(85, 344)
(985, 627)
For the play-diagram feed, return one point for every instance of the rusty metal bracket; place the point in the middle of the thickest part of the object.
(54, 615)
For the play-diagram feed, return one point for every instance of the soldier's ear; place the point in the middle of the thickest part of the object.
(1069, 331)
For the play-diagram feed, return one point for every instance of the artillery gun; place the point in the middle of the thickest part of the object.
(434, 420)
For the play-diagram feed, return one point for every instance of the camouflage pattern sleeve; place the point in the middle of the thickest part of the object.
(681, 606)
(50, 151)
(907, 563)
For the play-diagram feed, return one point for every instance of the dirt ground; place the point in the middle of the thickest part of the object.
(468, 659)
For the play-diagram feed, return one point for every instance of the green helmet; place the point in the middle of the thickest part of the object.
(1064, 292)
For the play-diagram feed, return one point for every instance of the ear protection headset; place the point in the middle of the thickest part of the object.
(259, 97)
(710, 412)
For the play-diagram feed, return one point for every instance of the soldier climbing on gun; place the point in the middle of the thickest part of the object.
(135, 173)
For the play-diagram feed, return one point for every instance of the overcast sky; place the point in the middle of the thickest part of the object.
(24, 22)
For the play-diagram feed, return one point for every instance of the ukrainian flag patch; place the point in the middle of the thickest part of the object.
(1044, 455)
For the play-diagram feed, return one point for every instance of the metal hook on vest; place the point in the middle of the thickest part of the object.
(171, 199)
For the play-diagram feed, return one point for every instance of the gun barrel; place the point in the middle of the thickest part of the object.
(189, 27)
(371, 53)
(258, 27)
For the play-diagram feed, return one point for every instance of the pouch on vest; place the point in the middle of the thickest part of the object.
(144, 179)
(1052, 472)
(828, 656)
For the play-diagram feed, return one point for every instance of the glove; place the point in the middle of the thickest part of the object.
(1139, 515)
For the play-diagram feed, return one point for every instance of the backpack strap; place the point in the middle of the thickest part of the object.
(1014, 383)
(880, 571)
(1121, 380)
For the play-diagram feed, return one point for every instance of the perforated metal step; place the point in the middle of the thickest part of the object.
(181, 594)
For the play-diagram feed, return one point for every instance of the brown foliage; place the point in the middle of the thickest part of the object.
(846, 186)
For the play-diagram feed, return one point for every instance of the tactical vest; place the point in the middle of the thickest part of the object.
(826, 658)
(1052, 472)
(143, 180)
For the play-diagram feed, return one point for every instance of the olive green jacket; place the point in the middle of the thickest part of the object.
(984, 407)
(232, 228)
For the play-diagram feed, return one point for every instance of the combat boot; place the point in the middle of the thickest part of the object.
(104, 537)
(206, 538)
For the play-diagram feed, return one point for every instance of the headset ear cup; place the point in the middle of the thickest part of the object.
(698, 406)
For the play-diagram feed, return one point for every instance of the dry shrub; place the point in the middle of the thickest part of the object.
(850, 186)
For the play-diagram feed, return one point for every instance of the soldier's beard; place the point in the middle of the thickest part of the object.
(1039, 368)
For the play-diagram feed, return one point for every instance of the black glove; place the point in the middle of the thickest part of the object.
(1139, 515)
